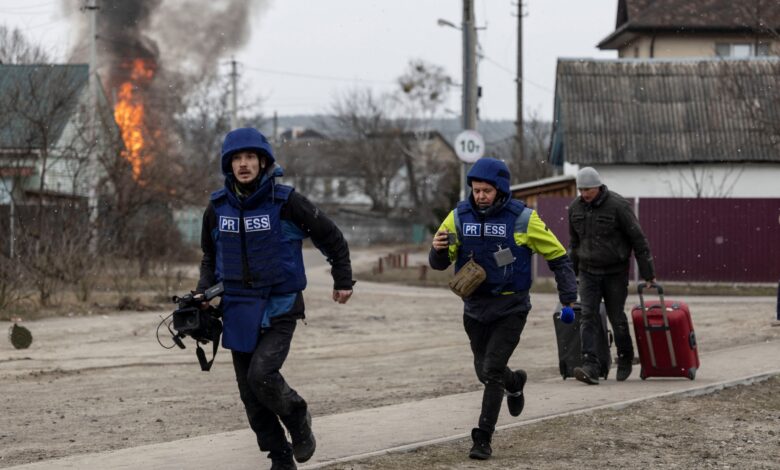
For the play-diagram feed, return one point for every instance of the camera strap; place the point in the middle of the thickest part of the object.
(205, 366)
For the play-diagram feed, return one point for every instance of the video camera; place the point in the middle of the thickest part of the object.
(202, 325)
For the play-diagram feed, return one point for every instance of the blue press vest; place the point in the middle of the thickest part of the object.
(481, 237)
(255, 254)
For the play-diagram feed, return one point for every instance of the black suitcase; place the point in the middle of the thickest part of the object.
(569, 348)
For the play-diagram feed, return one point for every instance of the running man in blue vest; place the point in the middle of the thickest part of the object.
(500, 234)
(251, 240)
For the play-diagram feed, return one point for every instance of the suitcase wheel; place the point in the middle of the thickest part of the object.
(642, 374)
(692, 373)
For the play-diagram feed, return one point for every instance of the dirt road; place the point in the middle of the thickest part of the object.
(93, 383)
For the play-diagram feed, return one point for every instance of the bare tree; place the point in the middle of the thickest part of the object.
(424, 88)
(366, 135)
(536, 143)
(16, 49)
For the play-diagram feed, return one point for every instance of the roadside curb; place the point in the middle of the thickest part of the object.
(688, 392)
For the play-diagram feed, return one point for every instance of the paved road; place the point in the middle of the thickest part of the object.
(352, 435)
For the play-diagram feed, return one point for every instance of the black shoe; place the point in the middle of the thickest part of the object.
(587, 373)
(282, 461)
(624, 368)
(481, 449)
(515, 401)
(303, 442)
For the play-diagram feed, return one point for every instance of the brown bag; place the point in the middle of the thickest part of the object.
(467, 279)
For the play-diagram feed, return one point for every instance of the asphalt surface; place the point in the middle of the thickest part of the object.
(358, 434)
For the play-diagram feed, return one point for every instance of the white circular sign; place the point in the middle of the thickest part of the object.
(469, 146)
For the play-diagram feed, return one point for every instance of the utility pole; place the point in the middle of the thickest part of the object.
(234, 97)
(91, 7)
(92, 199)
(519, 120)
(469, 109)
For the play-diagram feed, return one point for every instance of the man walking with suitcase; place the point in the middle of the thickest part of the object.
(603, 231)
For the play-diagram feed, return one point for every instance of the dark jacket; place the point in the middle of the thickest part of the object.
(603, 233)
(309, 219)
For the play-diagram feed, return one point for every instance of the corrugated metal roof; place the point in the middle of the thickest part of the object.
(33, 97)
(668, 111)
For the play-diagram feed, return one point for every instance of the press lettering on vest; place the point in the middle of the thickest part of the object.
(228, 224)
(495, 230)
(257, 223)
(472, 230)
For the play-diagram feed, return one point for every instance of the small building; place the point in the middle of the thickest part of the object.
(53, 135)
(684, 28)
(671, 128)
(555, 186)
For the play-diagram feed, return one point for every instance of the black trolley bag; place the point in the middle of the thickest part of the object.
(570, 346)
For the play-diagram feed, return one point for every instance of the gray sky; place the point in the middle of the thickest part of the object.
(303, 52)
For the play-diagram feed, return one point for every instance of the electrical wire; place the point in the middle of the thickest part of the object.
(319, 77)
(512, 73)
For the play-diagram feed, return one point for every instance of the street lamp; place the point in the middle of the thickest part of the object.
(443, 22)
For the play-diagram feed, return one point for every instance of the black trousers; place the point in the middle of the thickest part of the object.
(613, 288)
(492, 345)
(266, 395)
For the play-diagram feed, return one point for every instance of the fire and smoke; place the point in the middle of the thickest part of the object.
(151, 52)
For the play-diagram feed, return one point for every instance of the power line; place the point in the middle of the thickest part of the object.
(512, 73)
(319, 77)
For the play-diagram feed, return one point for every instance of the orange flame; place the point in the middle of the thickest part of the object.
(129, 115)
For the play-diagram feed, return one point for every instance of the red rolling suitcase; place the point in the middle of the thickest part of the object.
(665, 337)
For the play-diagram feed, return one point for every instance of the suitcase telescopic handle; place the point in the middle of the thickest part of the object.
(640, 287)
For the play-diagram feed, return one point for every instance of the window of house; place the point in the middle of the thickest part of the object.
(762, 50)
(342, 191)
(733, 50)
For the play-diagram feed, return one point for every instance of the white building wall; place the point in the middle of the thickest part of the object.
(745, 180)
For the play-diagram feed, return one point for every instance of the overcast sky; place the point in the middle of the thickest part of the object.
(303, 52)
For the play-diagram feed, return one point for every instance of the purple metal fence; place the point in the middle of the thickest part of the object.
(703, 240)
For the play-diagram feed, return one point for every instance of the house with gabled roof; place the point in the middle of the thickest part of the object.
(50, 139)
(48, 148)
(672, 128)
(702, 28)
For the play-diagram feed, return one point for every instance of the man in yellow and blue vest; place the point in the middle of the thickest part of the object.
(251, 240)
(500, 234)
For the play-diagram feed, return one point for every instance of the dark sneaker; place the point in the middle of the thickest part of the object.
(481, 449)
(587, 373)
(515, 401)
(623, 368)
(283, 464)
(282, 460)
(303, 442)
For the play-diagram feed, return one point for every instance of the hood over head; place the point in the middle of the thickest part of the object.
(245, 138)
(492, 171)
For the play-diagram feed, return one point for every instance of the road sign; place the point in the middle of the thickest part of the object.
(469, 146)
